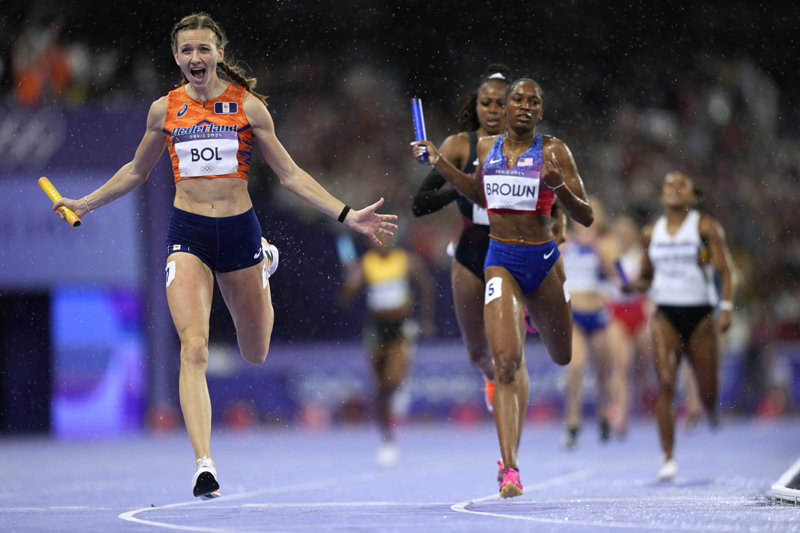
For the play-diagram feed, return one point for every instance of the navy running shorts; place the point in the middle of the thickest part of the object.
(224, 244)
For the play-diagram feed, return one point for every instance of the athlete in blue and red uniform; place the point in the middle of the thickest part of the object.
(210, 125)
(522, 173)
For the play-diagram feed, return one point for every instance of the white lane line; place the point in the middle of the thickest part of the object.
(578, 475)
(610, 503)
(781, 491)
(130, 516)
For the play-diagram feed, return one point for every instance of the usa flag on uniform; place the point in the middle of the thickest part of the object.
(525, 162)
(225, 108)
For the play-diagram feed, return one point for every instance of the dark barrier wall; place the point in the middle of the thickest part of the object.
(25, 378)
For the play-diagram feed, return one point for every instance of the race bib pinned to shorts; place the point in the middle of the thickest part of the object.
(170, 272)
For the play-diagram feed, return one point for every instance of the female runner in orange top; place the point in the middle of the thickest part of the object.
(210, 125)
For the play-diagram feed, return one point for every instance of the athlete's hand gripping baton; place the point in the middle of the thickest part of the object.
(419, 126)
(54, 195)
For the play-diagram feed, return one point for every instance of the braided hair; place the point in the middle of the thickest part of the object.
(467, 115)
(233, 72)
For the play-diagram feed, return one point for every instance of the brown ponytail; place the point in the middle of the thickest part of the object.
(236, 75)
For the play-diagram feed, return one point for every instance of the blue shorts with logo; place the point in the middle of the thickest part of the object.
(528, 263)
(224, 244)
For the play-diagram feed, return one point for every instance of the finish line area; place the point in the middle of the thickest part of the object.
(292, 479)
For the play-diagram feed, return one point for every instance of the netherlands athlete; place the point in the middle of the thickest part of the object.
(210, 125)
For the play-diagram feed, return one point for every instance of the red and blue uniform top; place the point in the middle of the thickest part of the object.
(519, 189)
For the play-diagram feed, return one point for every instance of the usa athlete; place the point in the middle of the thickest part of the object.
(522, 174)
(210, 125)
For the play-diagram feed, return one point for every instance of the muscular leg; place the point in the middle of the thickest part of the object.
(573, 400)
(704, 356)
(390, 375)
(468, 303)
(506, 333)
(189, 297)
(667, 357)
(552, 314)
(621, 359)
(643, 342)
(598, 341)
(247, 294)
(378, 361)
(694, 405)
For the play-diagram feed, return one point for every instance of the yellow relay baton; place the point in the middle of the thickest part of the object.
(54, 195)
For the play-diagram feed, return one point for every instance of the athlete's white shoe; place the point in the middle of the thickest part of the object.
(204, 482)
(388, 454)
(271, 253)
(668, 470)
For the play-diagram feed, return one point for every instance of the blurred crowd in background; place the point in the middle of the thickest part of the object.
(635, 91)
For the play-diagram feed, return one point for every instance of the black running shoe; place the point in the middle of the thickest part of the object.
(605, 430)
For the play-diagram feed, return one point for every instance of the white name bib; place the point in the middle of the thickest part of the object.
(510, 189)
(207, 153)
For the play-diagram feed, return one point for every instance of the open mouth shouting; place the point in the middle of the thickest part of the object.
(197, 73)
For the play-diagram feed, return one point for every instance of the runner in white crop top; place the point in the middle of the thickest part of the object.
(677, 247)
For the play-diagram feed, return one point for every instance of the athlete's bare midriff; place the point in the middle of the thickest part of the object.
(213, 197)
(523, 228)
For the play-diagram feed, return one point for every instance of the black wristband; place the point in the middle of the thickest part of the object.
(343, 214)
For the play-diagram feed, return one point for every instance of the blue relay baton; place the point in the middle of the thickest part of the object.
(621, 272)
(419, 126)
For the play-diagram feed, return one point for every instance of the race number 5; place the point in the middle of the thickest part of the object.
(494, 289)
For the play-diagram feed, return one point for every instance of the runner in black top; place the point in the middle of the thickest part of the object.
(482, 115)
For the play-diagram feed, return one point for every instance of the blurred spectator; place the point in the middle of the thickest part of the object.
(39, 62)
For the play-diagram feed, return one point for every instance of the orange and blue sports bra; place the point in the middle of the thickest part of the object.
(211, 139)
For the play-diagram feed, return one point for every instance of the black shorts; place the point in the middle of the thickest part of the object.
(685, 318)
(379, 334)
(224, 244)
(472, 247)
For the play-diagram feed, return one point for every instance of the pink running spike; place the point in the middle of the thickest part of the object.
(511, 485)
